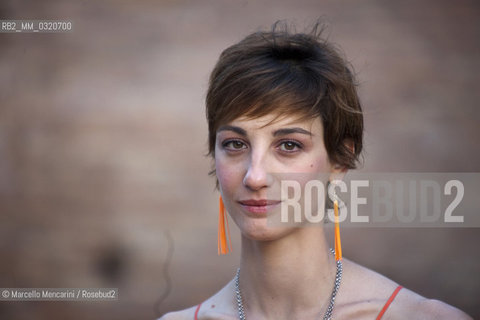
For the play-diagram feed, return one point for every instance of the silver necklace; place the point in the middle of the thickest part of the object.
(328, 313)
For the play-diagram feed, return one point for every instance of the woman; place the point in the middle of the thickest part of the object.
(282, 103)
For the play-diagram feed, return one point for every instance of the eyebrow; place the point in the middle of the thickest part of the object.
(276, 133)
(285, 131)
(238, 130)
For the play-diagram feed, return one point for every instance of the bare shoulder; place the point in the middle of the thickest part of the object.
(411, 305)
(369, 292)
(180, 315)
(365, 284)
(440, 310)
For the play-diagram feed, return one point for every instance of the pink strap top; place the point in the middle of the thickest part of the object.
(380, 315)
(389, 301)
(196, 311)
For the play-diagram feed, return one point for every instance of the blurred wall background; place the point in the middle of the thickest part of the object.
(103, 179)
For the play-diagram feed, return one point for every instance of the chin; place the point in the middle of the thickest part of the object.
(261, 232)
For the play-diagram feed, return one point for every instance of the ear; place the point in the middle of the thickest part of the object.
(349, 144)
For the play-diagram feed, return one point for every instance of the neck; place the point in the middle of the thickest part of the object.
(289, 278)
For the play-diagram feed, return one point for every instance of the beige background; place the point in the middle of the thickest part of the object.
(102, 137)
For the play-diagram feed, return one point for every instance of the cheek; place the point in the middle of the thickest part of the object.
(314, 164)
(320, 164)
(228, 176)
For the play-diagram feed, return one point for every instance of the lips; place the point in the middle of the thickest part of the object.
(258, 203)
(258, 206)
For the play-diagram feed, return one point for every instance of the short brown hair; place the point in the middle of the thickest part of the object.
(283, 73)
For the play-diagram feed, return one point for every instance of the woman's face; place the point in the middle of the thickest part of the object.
(250, 157)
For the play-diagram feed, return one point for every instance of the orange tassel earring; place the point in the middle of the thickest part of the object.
(224, 247)
(338, 242)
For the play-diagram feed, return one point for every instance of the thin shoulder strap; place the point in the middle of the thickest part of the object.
(390, 300)
(196, 311)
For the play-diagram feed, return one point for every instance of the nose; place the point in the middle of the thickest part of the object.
(257, 176)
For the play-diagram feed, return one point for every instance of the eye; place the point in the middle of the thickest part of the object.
(234, 145)
(290, 146)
